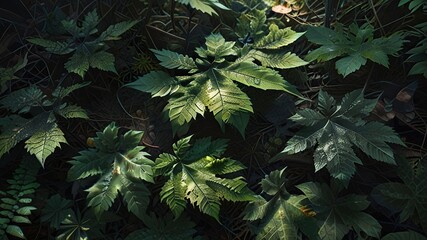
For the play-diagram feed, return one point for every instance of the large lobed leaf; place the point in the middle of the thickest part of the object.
(336, 128)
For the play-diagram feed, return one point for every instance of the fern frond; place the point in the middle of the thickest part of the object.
(136, 196)
(54, 47)
(174, 194)
(158, 83)
(72, 111)
(280, 60)
(103, 193)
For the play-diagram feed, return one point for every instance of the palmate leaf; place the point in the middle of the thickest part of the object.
(339, 214)
(410, 197)
(356, 45)
(194, 178)
(336, 128)
(165, 228)
(283, 215)
(43, 143)
(122, 165)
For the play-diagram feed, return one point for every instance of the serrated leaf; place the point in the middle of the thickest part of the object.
(350, 64)
(204, 6)
(336, 128)
(113, 32)
(158, 83)
(78, 63)
(103, 193)
(278, 59)
(277, 38)
(171, 60)
(408, 235)
(62, 92)
(174, 193)
(73, 111)
(43, 143)
(136, 196)
(103, 61)
(54, 47)
(22, 100)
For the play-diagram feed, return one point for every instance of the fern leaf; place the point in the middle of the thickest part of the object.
(231, 189)
(158, 83)
(204, 6)
(277, 38)
(136, 196)
(113, 32)
(78, 63)
(278, 59)
(54, 47)
(102, 194)
(217, 47)
(174, 193)
(73, 111)
(205, 147)
(171, 60)
(102, 60)
(22, 100)
(43, 143)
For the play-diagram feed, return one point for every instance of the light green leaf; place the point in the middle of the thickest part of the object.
(43, 143)
(113, 32)
(277, 38)
(158, 83)
(78, 63)
(171, 60)
(278, 59)
(73, 111)
(103, 61)
(15, 231)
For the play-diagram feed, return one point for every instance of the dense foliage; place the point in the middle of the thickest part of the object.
(213, 119)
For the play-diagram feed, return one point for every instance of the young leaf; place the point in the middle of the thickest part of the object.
(339, 214)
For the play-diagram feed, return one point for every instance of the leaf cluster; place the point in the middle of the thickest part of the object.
(41, 130)
(194, 172)
(215, 76)
(121, 165)
(88, 48)
(354, 46)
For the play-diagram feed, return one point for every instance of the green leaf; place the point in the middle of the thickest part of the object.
(103, 61)
(204, 6)
(90, 22)
(61, 92)
(193, 177)
(278, 59)
(158, 83)
(54, 47)
(113, 32)
(338, 127)
(322, 35)
(339, 214)
(350, 64)
(136, 196)
(217, 47)
(56, 210)
(171, 60)
(73, 111)
(102, 194)
(22, 100)
(43, 143)
(277, 38)
(78, 63)
(15, 231)
(283, 215)
(25, 211)
(21, 219)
